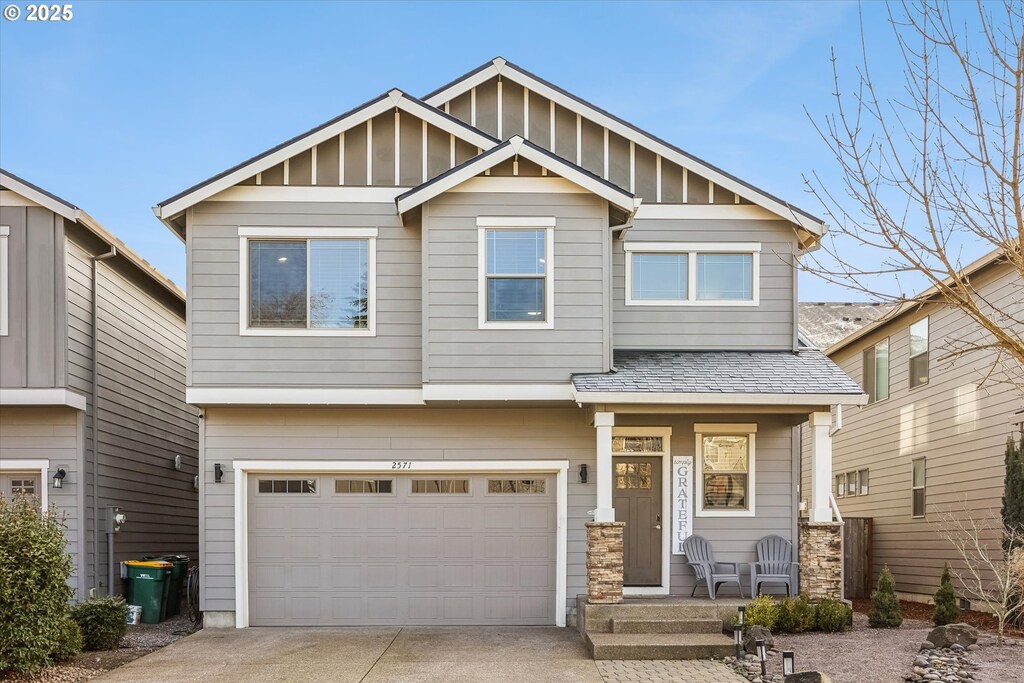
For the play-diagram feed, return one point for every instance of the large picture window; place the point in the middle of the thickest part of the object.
(678, 274)
(307, 285)
(725, 457)
(876, 371)
(516, 277)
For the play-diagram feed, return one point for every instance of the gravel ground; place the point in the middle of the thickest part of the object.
(867, 655)
(140, 640)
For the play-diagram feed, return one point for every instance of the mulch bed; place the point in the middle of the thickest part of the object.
(919, 610)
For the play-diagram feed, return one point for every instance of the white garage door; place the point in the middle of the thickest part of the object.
(340, 550)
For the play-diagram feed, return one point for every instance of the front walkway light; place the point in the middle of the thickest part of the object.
(762, 655)
(743, 615)
(788, 663)
(737, 634)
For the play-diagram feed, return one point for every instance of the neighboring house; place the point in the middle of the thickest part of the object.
(128, 439)
(824, 323)
(933, 436)
(432, 339)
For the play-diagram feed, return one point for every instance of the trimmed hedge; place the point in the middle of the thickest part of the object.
(834, 615)
(34, 592)
(796, 615)
(103, 622)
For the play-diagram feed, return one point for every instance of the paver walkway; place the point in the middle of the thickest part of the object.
(667, 671)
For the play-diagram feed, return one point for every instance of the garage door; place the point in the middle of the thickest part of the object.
(338, 550)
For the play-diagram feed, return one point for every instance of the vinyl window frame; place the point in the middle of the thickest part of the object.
(923, 487)
(546, 223)
(245, 234)
(42, 467)
(911, 356)
(702, 430)
(872, 389)
(5, 279)
(692, 249)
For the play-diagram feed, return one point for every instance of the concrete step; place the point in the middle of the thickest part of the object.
(659, 645)
(620, 625)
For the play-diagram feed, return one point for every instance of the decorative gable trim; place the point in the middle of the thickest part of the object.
(171, 207)
(516, 146)
(501, 67)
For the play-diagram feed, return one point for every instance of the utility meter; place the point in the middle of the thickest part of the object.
(115, 518)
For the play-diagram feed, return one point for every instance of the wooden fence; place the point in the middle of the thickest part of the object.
(857, 557)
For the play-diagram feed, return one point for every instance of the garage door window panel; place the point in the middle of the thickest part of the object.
(364, 486)
(516, 486)
(441, 486)
(277, 486)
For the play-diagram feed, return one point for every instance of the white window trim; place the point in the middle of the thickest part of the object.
(5, 296)
(512, 223)
(922, 487)
(927, 347)
(708, 429)
(666, 502)
(692, 249)
(247, 233)
(242, 468)
(33, 466)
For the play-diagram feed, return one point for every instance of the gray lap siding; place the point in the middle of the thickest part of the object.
(471, 434)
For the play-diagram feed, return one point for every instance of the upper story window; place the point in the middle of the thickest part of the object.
(876, 371)
(293, 283)
(5, 232)
(678, 274)
(919, 353)
(516, 287)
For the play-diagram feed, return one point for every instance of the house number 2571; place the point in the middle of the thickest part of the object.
(401, 465)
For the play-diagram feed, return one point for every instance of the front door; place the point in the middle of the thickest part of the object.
(637, 502)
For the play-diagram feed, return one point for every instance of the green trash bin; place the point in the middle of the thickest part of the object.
(179, 571)
(148, 582)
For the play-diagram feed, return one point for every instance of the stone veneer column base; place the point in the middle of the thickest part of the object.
(821, 560)
(604, 562)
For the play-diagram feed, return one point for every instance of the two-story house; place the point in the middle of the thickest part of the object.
(92, 387)
(434, 338)
(932, 438)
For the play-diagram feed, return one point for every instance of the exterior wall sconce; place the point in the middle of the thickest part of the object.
(737, 634)
(58, 478)
(218, 472)
(788, 663)
(583, 473)
(177, 462)
(762, 655)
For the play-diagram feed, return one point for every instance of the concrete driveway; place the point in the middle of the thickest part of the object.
(367, 655)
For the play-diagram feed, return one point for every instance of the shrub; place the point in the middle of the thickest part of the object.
(34, 592)
(103, 622)
(833, 615)
(762, 611)
(796, 615)
(947, 611)
(69, 643)
(885, 607)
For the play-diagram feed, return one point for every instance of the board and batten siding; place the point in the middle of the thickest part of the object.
(54, 434)
(957, 421)
(220, 356)
(32, 351)
(768, 326)
(457, 351)
(474, 434)
(143, 420)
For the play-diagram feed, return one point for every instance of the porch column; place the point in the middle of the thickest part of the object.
(603, 423)
(821, 468)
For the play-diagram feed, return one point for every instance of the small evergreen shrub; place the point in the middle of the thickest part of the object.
(34, 594)
(69, 643)
(103, 622)
(833, 615)
(947, 611)
(762, 611)
(885, 607)
(796, 615)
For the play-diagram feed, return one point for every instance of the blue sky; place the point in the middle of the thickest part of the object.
(131, 102)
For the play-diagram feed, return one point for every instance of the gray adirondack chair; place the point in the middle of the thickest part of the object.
(702, 559)
(774, 564)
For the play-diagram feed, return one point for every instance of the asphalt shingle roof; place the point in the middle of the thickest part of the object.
(727, 372)
(825, 323)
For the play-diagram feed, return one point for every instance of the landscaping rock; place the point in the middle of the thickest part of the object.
(953, 634)
(946, 665)
(755, 633)
(808, 677)
(927, 645)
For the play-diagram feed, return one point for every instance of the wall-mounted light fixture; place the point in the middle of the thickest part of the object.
(218, 472)
(58, 478)
(195, 482)
(583, 473)
(177, 462)
(788, 662)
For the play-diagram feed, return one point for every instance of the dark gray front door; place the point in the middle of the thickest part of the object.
(637, 501)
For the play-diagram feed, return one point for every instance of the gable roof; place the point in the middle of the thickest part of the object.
(516, 146)
(825, 323)
(500, 67)
(173, 206)
(69, 211)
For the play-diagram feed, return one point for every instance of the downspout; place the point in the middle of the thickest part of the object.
(94, 422)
